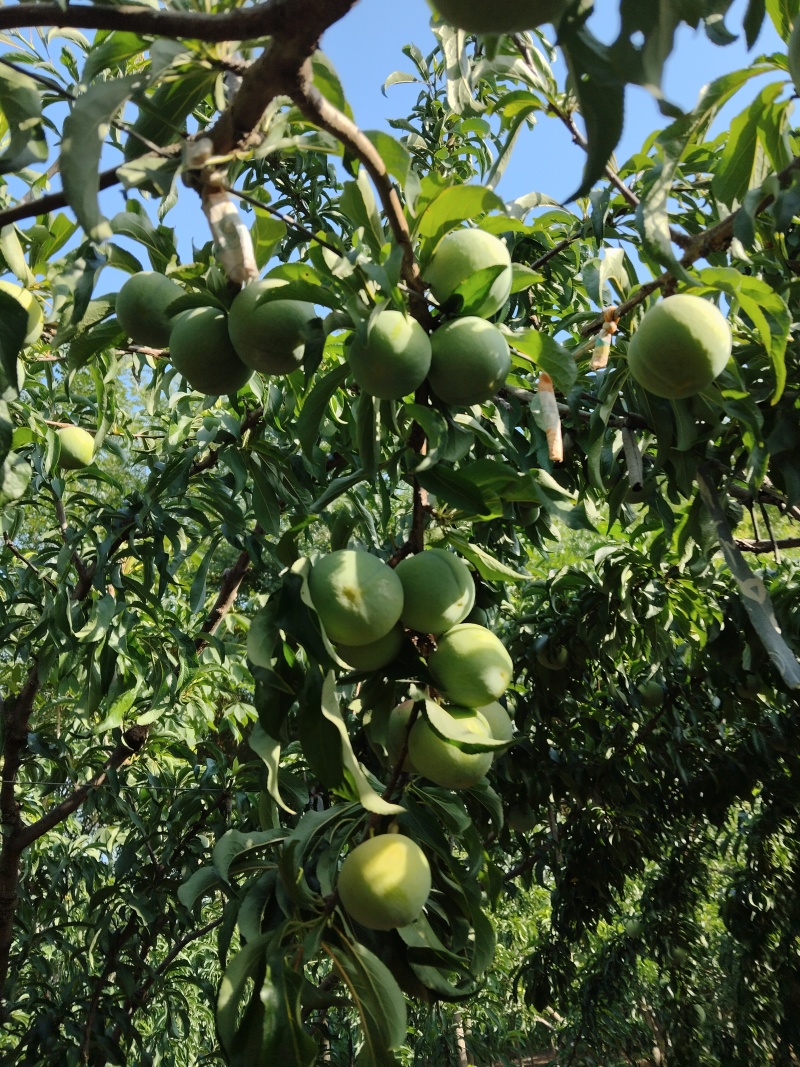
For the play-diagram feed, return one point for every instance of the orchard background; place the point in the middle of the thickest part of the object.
(186, 761)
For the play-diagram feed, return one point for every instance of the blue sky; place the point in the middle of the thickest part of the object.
(365, 48)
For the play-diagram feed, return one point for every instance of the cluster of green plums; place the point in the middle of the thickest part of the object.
(369, 611)
(217, 350)
(466, 359)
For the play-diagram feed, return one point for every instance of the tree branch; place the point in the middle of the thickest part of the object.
(271, 18)
(132, 742)
(323, 114)
(30, 208)
(747, 545)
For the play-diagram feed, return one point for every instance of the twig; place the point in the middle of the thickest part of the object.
(42, 205)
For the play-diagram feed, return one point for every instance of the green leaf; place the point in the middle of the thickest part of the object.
(451, 208)
(652, 214)
(358, 204)
(234, 846)
(395, 156)
(490, 568)
(85, 130)
(449, 728)
(13, 329)
(21, 104)
(197, 590)
(453, 488)
(315, 405)
(376, 997)
(199, 884)
(547, 355)
(266, 505)
(161, 118)
(270, 752)
(267, 232)
(368, 433)
(601, 98)
(366, 794)
(738, 168)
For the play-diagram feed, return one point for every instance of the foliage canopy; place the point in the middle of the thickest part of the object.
(187, 758)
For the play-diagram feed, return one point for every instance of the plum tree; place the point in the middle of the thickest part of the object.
(442, 761)
(201, 350)
(461, 254)
(501, 16)
(438, 590)
(269, 334)
(471, 665)
(77, 447)
(682, 344)
(357, 597)
(31, 305)
(384, 882)
(393, 359)
(469, 362)
(142, 304)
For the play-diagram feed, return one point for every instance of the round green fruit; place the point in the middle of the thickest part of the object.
(793, 58)
(471, 666)
(77, 448)
(500, 16)
(438, 591)
(142, 305)
(384, 882)
(269, 337)
(357, 596)
(395, 358)
(500, 723)
(470, 361)
(459, 255)
(31, 305)
(397, 733)
(652, 693)
(443, 763)
(376, 654)
(553, 658)
(681, 346)
(521, 819)
(201, 350)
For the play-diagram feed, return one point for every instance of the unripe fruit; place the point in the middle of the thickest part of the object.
(446, 764)
(376, 654)
(681, 346)
(499, 721)
(471, 666)
(459, 255)
(553, 657)
(77, 448)
(201, 350)
(395, 358)
(141, 307)
(269, 337)
(438, 591)
(793, 59)
(521, 819)
(397, 732)
(31, 305)
(384, 882)
(470, 361)
(652, 693)
(356, 595)
(499, 16)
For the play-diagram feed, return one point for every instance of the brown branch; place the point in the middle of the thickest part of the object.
(748, 545)
(229, 590)
(272, 18)
(323, 114)
(41, 205)
(131, 744)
